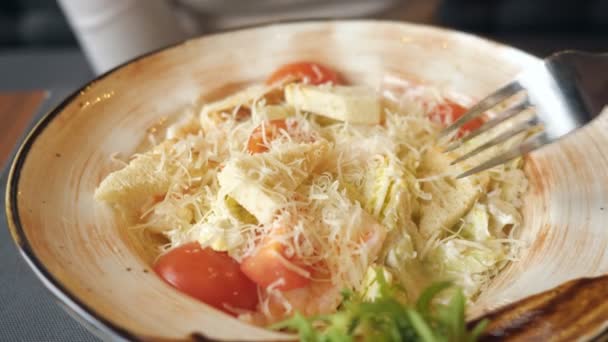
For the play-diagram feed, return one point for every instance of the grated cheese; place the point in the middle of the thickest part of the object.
(338, 196)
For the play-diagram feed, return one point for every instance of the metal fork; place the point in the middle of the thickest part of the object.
(564, 92)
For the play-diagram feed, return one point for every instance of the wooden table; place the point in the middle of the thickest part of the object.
(17, 110)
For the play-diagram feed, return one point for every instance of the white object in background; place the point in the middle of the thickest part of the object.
(112, 32)
(226, 14)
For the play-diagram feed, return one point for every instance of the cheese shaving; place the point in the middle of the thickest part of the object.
(336, 196)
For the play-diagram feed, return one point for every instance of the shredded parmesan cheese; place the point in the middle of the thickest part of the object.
(336, 196)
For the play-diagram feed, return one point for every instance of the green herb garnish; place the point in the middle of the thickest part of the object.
(388, 319)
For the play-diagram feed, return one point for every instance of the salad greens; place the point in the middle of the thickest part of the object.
(388, 319)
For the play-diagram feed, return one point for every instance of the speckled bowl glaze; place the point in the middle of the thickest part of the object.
(83, 254)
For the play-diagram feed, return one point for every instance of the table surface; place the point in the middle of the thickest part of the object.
(28, 312)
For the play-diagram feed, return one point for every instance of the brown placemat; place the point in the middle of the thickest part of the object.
(17, 110)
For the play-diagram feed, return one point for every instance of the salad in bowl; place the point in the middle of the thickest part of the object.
(305, 198)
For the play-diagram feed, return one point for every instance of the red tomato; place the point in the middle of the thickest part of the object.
(315, 73)
(267, 266)
(272, 130)
(450, 110)
(212, 277)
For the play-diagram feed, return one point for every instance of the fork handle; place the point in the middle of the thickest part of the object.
(587, 72)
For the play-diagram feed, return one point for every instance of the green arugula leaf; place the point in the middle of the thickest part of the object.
(423, 304)
(421, 327)
(300, 324)
(451, 317)
(478, 329)
(388, 319)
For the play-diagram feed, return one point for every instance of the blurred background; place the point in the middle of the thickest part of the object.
(36, 37)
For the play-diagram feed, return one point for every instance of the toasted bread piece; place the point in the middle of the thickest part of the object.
(262, 193)
(272, 112)
(245, 97)
(451, 198)
(343, 103)
(142, 179)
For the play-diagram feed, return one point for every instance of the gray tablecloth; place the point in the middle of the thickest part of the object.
(28, 311)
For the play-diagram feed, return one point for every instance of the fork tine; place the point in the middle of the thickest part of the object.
(534, 142)
(482, 106)
(524, 126)
(509, 113)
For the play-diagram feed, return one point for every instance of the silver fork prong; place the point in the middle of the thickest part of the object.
(538, 140)
(503, 116)
(483, 106)
(531, 124)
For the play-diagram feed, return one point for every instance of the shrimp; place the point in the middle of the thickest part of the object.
(322, 295)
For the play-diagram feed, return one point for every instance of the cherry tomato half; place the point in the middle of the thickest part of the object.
(209, 276)
(315, 73)
(448, 112)
(265, 132)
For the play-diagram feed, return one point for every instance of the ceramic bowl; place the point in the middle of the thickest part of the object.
(82, 253)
